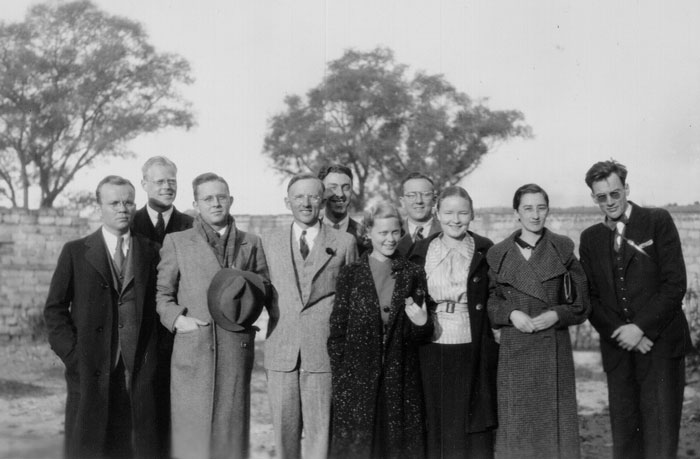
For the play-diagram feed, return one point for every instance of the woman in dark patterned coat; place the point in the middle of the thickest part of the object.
(537, 413)
(375, 326)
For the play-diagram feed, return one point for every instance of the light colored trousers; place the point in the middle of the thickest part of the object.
(300, 400)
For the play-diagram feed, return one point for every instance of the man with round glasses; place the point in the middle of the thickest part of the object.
(417, 199)
(637, 279)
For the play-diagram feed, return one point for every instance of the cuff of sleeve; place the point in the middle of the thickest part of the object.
(170, 316)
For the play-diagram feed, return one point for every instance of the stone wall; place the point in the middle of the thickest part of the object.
(30, 242)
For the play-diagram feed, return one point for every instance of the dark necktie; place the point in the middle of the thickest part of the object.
(119, 255)
(303, 246)
(160, 227)
(419, 234)
(336, 226)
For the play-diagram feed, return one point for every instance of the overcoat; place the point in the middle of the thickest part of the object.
(79, 313)
(368, 365)
(537, 412)
(484, 359)
(188, 264)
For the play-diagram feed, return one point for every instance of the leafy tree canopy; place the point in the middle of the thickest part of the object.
(76, 84)
(371, 116)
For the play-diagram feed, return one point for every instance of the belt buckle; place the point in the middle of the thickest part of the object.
(450, 308)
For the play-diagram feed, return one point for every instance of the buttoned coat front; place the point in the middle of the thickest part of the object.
(537, 413)
(80, 313)
(370, 365)
(188, 264)
(299, 329)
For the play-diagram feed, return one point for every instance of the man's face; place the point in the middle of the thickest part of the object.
(117, 207)
(611, 196)
(213, 203)
(338, 192)
(418, 199)
(304, 199)
(160, 185)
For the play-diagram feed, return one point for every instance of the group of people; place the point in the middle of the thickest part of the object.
(406, 336)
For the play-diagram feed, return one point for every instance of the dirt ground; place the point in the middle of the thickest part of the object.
(32, 398)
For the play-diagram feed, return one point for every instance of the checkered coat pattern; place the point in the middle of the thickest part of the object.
(536, 387)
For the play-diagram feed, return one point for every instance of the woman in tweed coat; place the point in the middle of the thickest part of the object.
(375, 326)
(537, 412)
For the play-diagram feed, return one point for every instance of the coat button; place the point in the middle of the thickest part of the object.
(98, 373)
(105, 286)
(121, 325)
(99, 329)
(476, 279)
(479, 307)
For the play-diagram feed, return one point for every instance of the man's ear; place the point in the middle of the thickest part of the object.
(287, 204)
(627, 189)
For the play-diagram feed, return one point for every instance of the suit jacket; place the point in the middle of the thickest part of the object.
(79, 313)
(355, 229)
(405, 245)
(142, 224)
(655, 277)
(187, 266)
(481, 390)
(296, 328)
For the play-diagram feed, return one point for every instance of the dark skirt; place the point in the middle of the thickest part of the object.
(446, 387)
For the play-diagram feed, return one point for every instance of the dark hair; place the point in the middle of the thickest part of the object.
(604, 169)
(157, 161)
(455, 191)
(206, 178)
(414, 176)
(305, 176)
(111, 180)
(334, 168)
(530, 188)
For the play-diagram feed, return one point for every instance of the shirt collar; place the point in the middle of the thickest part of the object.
(342, 224)
(426, 227)
(111, 240)
(153, 214)
(311, 232)
(624, 218)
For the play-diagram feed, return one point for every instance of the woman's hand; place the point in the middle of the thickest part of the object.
(522, 321)
(545, 320)
(417, 314)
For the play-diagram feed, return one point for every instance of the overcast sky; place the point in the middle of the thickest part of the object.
(594, 79)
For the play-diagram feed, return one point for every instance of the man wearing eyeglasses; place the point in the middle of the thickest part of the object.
(101, 319)
(337, 180)
(417, 199)
(636, 276)
(154, 220)
(211, 366)
(304, 259)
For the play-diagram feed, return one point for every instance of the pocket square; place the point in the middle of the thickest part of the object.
(646, 244)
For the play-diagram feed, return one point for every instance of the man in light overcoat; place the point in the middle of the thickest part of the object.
(304, 260)
(211, 367)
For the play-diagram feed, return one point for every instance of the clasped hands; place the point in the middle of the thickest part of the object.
(631, 338)
(527, 324)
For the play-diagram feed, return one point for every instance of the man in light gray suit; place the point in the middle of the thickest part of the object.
(211, 366)
(304, 260)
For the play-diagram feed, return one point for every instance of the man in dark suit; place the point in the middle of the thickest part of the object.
(417, 199)
(637, 280)
(101, 318)
(338, 182)
(154, 220)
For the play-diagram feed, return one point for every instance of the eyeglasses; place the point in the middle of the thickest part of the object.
(163, 182)
(301, 198)
(116, 205)
(214, 199)
(603, 198)
(413, 196)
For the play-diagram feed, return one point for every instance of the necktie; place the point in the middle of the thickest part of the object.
(160, 227)
(119, 255)
(303, 246)
(336, 226)
(619, 230)
(419, 234)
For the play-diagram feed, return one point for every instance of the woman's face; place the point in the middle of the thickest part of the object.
(532, 212)
(385, 234)
(455, 215)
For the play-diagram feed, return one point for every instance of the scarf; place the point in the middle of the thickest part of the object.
(222, 246)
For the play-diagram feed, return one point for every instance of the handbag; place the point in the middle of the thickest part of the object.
(567, 292)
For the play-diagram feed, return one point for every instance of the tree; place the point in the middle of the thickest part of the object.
(368, 115)
(76, 84)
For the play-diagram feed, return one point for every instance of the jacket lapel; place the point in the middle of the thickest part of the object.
(141, 262)
(324, 249)
(96, 255)
(516, 271)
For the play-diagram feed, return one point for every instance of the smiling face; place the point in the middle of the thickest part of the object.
(339, 190)
(418, 199)
(385, 234)
(455, 215)
(213, 203)
(160, 184)
(304, 199)
(611, 196)
(532, 212)
(117, 207)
